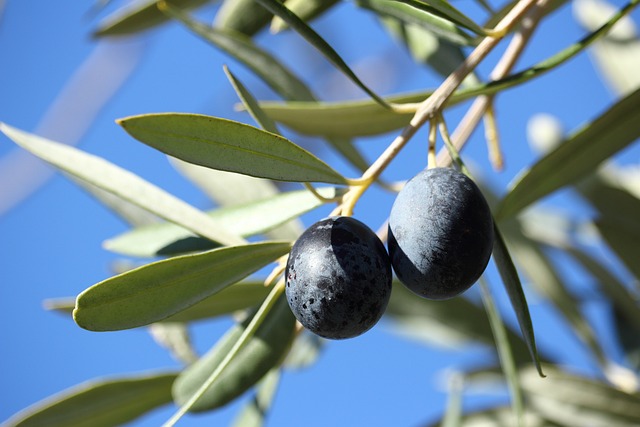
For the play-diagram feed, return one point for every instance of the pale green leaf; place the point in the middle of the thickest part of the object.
(512, 284)
(444, 10)
(242, 16)
(577, 156)
(305, 351)
(242, 48)
(228, 145)
(156, 291)
(306, 10)
(99, 403)
(254, 413)
(122, 183)
(176, 339)
(246, 220)
(278, 9)
(139, 16)
(263, 350)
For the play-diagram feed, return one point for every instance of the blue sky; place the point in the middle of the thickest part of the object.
(51, 241)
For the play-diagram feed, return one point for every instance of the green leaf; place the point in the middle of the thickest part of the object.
(156, 291)
(254, 413)
(504, 352)
(238, 46)
(306, 10)
(512, 284)
(99, 403)
(175, 338)
(305, 350)
(577, 156)
(228, 145)
(242, 16)
(264, 350)
(124, 184)
(246, 220)
(622, 240)
(410, 15)
(319, 43)
(444, 10)
(571, 400)
(139, 16)
(239, 296)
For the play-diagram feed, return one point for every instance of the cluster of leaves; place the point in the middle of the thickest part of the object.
(207, 263)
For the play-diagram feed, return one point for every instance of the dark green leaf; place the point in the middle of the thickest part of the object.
(575, 401)
(622, 240)
(512, 284)
(628, 334)
(577, 156)
(231, 146)
(139, 16)
(99, 403)
(122, 183)
(318, 42)
(242, 16)
(156, 291)
(306, 10)
(242, 48)
(246, 220)
(264, 350)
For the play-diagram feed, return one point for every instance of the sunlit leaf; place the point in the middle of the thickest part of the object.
(306, 10)
(577, 156)
(242, 48)
(242, 16)
(139, 16)
(260, 354)
(410, 15)
(99, 403)
(445, 10)
(228, 145)
(245, 220)
(156, 291)
(575, 401)
(254, 413)
(512, 284)
(278, 9)
(124, 184)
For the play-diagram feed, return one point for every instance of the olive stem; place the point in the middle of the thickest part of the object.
(431, 106)
(504, 66)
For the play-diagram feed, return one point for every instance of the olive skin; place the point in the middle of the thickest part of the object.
(440, 233)
(338, 278)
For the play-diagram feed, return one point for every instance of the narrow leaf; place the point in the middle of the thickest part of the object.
(245, 220)
(444, 10)
(623, 241)
(242, 16)
(278, 9)
(139, 16)
(306, 10)
(99, 403)
(228, 145)
(577, 156)
(242, 295)
(156, 291)
(518, 300)
(238, 46)
(263, 350)
(122, 183)
(255, 411)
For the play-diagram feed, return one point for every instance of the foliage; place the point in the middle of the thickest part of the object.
(209, 260)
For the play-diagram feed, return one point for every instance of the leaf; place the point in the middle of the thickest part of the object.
(228, 145)
(444, 10)
(410, 15)
(318, 42)
(99, 403)
(260, 354)
(238, 46)
(253, 414)
(239, 296)
(176, 339)
(305, 350)
(341, 119)
(306, 10)
(242, 16)
(571, 400)
(246, 220)
(504, 352)
(139, 16)
(512, 285)
(156, 291)
(122, 183)
(623, 241)
(577, 156)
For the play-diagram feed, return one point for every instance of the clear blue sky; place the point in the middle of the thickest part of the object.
(50, 244)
